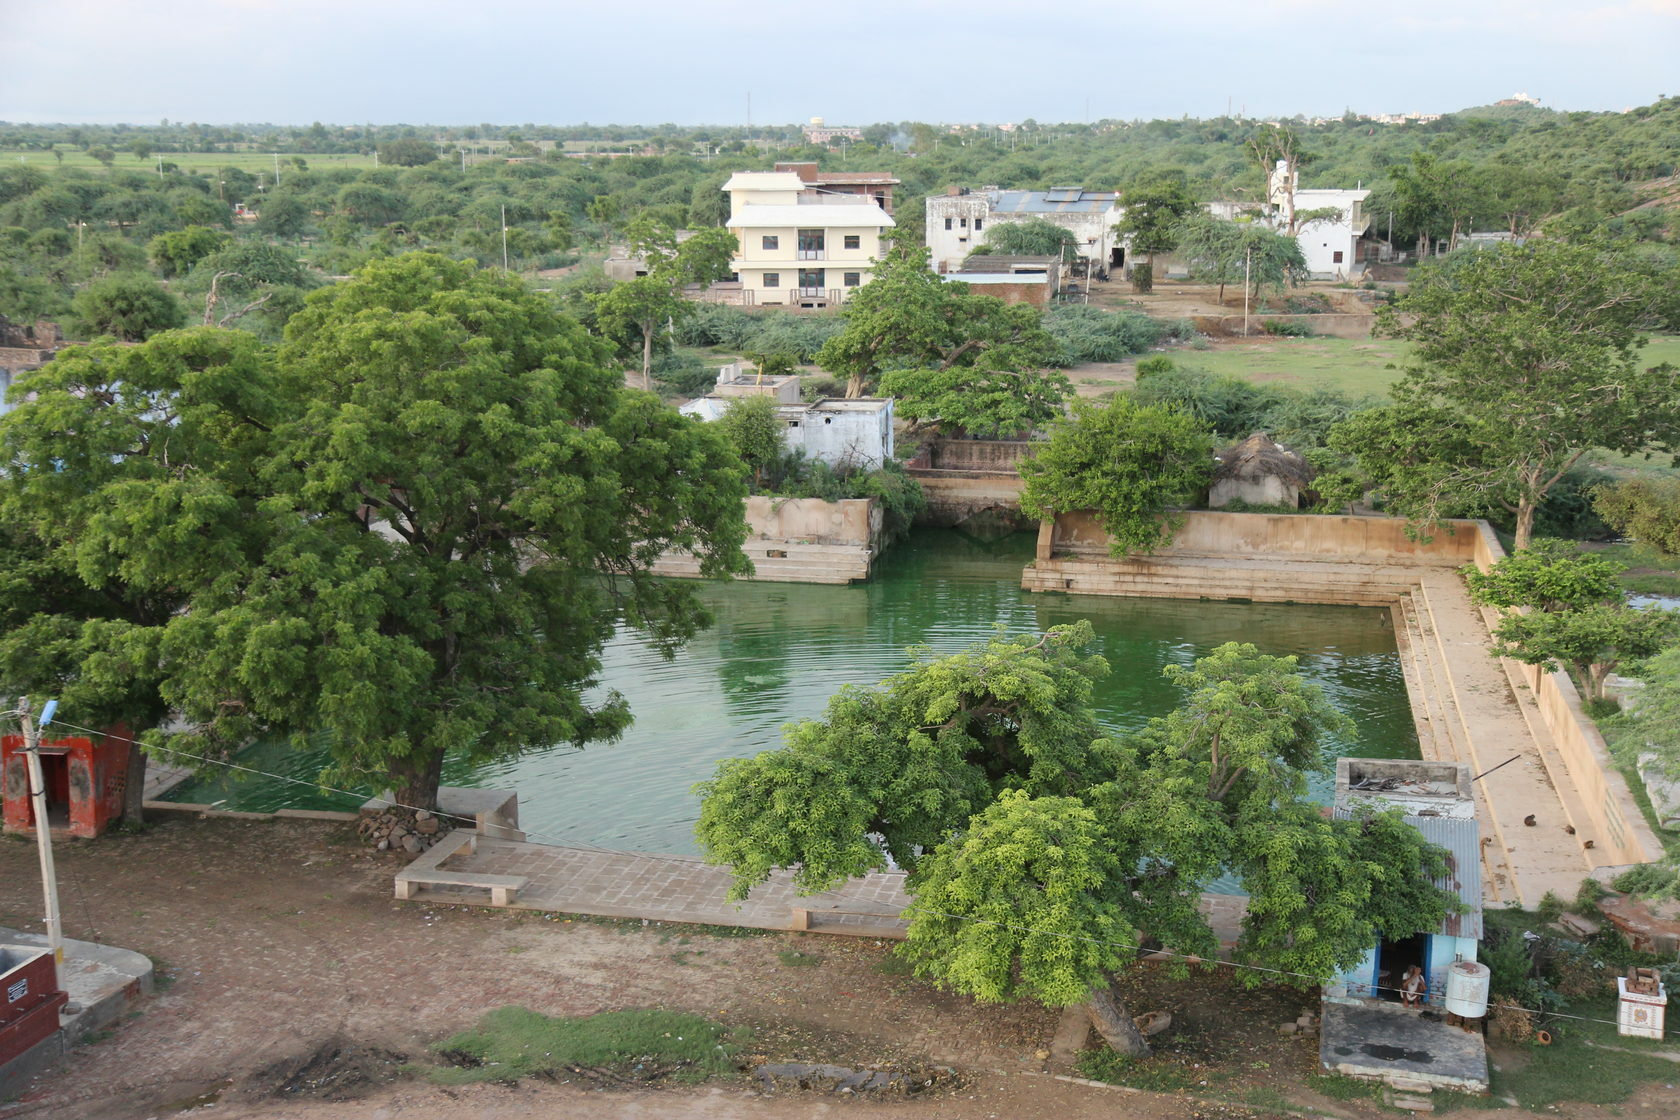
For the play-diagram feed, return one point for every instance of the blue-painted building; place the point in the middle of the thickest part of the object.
(1437, 801)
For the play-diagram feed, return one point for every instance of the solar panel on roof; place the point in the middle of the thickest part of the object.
(1063, 194)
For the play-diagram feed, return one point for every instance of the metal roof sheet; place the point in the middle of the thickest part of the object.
(1463, 877)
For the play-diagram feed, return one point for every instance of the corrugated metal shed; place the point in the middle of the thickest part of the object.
(1061, 201)
(1462, 841)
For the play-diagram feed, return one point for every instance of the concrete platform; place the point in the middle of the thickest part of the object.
(1387, 1042)
(103, 983)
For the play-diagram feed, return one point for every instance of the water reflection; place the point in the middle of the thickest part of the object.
(779, 651)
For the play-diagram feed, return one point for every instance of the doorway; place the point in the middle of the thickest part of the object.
(55, 771)
(1395, 958)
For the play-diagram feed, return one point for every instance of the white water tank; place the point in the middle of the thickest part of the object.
(1467, 989)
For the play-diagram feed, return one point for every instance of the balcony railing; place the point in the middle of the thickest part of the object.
(811, 293)
(812, 255)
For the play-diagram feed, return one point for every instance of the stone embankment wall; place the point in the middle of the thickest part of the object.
(801, 540)
(966, 477)
(1368, 561)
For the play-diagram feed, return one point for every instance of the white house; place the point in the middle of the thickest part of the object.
(798, 245)
(1329, 244)
(957, 221)
(853, 434)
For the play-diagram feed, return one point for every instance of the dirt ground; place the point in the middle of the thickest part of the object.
(292, 985)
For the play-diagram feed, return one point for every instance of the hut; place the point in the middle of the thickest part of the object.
(1258, 472)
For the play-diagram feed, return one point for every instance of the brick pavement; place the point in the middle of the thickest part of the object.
(613, 884)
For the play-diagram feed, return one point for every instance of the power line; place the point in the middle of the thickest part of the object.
(1188, 958)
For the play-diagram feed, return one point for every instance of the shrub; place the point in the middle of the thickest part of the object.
(1143, 278)
(1285, 328)
(1233, 408)
(1646, 509)
(684, 373)
(1090, 334)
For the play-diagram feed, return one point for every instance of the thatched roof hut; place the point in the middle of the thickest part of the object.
(1259, 473)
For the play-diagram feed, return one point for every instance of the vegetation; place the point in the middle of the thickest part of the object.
(1038, 847)
(1646, 509)
(514, 1042)
(435, 479)
(1035, 237)
(1527, 358)
(1131, 463)
(1577, 613)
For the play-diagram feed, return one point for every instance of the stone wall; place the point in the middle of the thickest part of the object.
(800, 540)
(1627, 837)
(979, 454)
(1309, 536)
(853, 521)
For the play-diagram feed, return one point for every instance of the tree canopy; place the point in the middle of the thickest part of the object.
(408, 530)
(1041, 850)
(1130, 463)
(1526, 359)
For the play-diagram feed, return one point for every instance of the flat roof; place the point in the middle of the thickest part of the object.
(764, 181)
(811, 214)
(1062, 201)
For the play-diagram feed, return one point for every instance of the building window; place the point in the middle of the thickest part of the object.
(772, 279)
(965, 223)
(771, 241)
(811, 280)
(853, 279)
(978, 224)
(854, 241)
(811, 245)
(947, 223)
(1336, 257)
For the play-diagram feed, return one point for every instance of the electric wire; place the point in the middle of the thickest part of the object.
(558, 841)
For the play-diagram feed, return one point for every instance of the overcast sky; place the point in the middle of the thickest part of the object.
(651, 61)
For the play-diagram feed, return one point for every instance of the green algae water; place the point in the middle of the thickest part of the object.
(778, 651)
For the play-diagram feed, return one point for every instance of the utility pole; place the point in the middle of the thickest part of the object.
(1247, 253)
(504, 237)
(43, 828)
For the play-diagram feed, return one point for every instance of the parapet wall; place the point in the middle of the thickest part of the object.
(1370, 540)
(1586, 756)
(800, 540)
(854, 521)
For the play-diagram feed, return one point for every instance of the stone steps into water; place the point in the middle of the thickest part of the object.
(783, 562)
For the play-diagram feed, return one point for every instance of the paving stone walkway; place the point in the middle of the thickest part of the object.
(668, 888)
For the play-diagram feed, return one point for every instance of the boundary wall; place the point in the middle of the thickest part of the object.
(1468, 706)
(963, 478)
(800, 540)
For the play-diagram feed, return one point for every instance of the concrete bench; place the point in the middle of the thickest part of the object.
(803, 917)
(427, 870)
(504, 889)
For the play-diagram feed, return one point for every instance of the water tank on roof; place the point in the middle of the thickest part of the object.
(1467, 989)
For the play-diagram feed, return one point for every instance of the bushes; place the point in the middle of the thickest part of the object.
(1646, 509)
(1090, 334)
(1233, 408)
(901, 496)
(762, 332)
(1287, 328)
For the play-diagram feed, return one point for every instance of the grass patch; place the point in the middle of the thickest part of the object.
(514, 1042)
(1588, 1063)
(1157, 1075)
(1361, 367)
(1340, 1087)
(793, 958)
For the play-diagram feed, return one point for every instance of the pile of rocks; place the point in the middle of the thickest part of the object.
(407, 830)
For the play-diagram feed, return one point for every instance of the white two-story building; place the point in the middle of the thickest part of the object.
(799, 245)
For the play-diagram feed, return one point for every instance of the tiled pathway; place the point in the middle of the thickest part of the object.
(685, 889)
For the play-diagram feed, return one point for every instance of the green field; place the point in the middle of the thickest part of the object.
(1357, 366)
(186, 161)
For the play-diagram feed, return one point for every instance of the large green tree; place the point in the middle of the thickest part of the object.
(1526, 358)
(1132, 464)
(408, 530)
(1568, 608)
(1042, 851)
(634, 312)
(907, 317)
(1035, 237)
(1155, 207)
(984, 402)
(1239, 252)
(127, 306)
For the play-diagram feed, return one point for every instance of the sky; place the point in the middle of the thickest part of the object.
(451, 62)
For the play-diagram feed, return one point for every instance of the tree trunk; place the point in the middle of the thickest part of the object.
(134, 789)
(854, 386)
(1525, 523)
(1110, 1018)
(415, 781)
(647, 358)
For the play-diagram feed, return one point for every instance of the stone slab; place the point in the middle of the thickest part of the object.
(1390, 1043)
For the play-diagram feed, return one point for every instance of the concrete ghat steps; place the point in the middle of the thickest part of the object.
(800, 563)
(1453, 739)
(1468, 703)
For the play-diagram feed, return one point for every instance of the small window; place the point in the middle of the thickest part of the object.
(1336, 257)
(853, 279)
(979, 223)
(965, 223)
(772, 279)
(771, 241)
(947, 223)
(854, 241)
